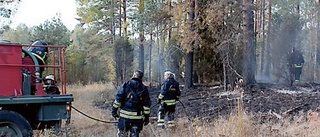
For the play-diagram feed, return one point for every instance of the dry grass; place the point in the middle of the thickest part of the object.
(84, 97)
(237, 124)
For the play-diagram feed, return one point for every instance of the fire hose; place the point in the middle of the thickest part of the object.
(183, 106)
(93, 117)
(185, 110)
(103, 121)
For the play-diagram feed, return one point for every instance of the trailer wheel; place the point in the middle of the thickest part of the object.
(12, 124)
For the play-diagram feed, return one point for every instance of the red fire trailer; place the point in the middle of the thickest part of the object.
(28, 101)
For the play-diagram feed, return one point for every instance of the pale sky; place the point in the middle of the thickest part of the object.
(35, 12)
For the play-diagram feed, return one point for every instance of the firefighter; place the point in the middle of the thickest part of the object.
(296, 62)
(40, 53)
(167, 98)
(133, 101)
(50, 85)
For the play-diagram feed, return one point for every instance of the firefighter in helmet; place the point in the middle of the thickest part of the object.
(133, 101)
(50, 85)
(40, 53)
(296, 62)
(167, 98)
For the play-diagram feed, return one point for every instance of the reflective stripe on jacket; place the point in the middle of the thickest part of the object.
(40, 53)
(130, 115)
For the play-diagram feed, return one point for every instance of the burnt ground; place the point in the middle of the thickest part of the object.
(265, 100)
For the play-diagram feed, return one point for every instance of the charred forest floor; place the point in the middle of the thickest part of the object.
(264, 101)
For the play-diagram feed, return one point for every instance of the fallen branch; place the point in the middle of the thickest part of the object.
(293, 109)
(275, 114)
(192, 99)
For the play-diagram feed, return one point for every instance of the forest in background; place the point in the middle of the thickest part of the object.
(202, 41)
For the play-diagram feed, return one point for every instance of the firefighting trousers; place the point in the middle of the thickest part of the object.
(129, 126)
(296, 72)
(164, 111)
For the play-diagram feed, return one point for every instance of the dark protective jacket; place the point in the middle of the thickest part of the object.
(169, 92)
(40, 53)
(133, 100)
(296, 58)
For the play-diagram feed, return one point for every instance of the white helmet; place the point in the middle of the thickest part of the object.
(51, 77)
(169, 74)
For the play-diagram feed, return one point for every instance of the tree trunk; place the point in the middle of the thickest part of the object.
(141, 37)
(170, 21)
(268, 64)
(125, 19)
(120, 19)
(123, 65)
(113, 23)
(263, 43)
(141, 53)
(159, 57)
(150, 58)
(189, 55)
(196, 62)
(188, 70)
(318, 41)
(196, 49)
(225, 88)
(249, 56)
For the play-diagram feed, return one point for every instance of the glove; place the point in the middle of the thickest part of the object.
(146, 120)
(115, 112)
